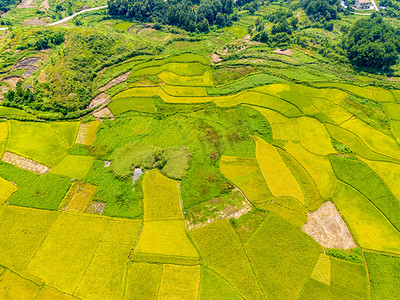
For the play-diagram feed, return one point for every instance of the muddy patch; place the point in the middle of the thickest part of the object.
(103, 113)
(44, 6)
(26, 4)
(25, 163)
(107, 163)
(35, 22)
(115, 81)
(12, 81)
(100, 99)
(286, 52)
(95, 207)
(327, 227)
(216, 209)
(215, 58)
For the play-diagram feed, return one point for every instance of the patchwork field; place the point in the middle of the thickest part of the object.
(200, 187)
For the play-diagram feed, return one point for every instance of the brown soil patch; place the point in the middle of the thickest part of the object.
(286, 52)
(25, 163)
(143, 30)
(3, 90)
(327, 227)
(12, 81)
(44, 6)
(95, 207)
(103, 113)
(26, 4)
(215, 58)
(35, 22)
(100, 99)
(115, 81)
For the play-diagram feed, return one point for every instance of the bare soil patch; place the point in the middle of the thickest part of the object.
(100, 99)
(26, 4)
(115, 81)
(327, 227)
(95, 207)
(34, 22)
(286, 52)
(148, 27)
(28, 64)
(3, 90)
(12, 81)
(25, 163)
(215, 58)
(44, 6)
(103, 113)
(81, 136)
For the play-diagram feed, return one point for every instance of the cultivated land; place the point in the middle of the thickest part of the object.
(220, 170)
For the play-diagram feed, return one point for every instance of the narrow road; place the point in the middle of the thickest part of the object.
(66, 19)
(375, 6)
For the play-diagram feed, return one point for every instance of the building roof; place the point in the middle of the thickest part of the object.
(364, 1)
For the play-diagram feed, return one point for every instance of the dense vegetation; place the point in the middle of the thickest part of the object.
(373, 44)
(318, 10)
(5, 5)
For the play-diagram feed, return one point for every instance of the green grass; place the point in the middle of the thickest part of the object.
(214, 286)
(44, 192)
(367, 224)
(117, 193)
(22, 231)
(36, 141)
(104, 278)
(143, 281)
(122, 105)
(123, 26)
(282, 256)
(74, 166)
(384, 275)
(67, 130)
(14, 112)
(222, 251)
(247, 224)
(367, 182)
(65, 254)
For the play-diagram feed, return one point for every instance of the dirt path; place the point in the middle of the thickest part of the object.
(25, 163)
(115, 81)
(26, 4)
(76, 14)
(298, 15)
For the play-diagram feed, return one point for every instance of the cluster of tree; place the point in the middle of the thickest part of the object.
(186, 14)
(392, 8)
(322, 9)
(45, 40)
(372, 44)
(20, 97)
(5, 5)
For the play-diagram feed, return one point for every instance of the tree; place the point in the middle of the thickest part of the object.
(372, 44)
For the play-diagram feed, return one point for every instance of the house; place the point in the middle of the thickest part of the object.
(362, 4)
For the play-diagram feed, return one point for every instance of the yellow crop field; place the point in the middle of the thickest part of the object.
(174, 79)
(6, 190)
(179, 282)
(388, 172)
(314, 137)
(369, 226)
(246, 174)
(49, 293)
(122, 231)
(183, 99)
(375, 140)
(65, 254)
(13, 286)
(143, 281)
(67, 130)
(317, 166)
(162, 200)
(22, 230)
(104, 278)
(280, 180)
(332, 95)
(138, 92)
(166, 238)
(392, 110)
(3, 137)
(332, 110)
(91, 132)
(180, 91)
(322, 270)
(78, 197)
(74, 166)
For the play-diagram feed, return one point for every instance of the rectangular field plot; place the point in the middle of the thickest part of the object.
(36, 141)
(222, 251)
(67, 130)
(22, 230)
(122, 231)
(6, 190)
(280, 180)
(245, 173)
(3, 137)
(49, 293)
(78, 197)
(331, 95)
(140, 104)
(13, 286)
(166, 238)
(143, 281)
(174, 79)
(138, 92)
(283, 257)
(179, 282)
(161, 197)
(74, 166)
(384, 275)
(180, 91)
(367, 224)
(87, 133)
(104, 278)
(65, 254)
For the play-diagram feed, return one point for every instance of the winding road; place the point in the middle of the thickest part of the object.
(69, 17)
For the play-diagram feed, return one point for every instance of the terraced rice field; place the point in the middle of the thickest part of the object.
(289, 151)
